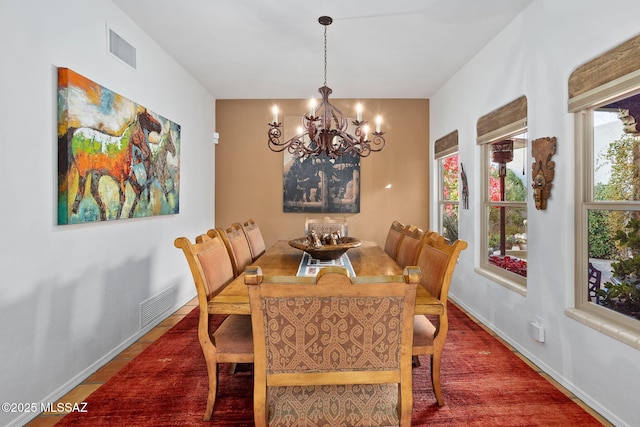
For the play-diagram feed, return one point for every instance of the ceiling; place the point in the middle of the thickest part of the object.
(274, 49)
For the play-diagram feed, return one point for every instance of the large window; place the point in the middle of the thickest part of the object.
(502, 135)
(604, 94)
(611, 209)
(505, 207)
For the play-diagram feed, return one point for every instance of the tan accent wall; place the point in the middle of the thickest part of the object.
(249, 175)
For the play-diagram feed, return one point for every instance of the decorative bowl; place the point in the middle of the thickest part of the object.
(325, 252)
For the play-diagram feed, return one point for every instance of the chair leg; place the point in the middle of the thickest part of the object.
(435, 377)
(232, 368)
(415, 361)
(212, 371)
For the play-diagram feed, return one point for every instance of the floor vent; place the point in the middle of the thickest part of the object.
(156, 306)
(120, 48)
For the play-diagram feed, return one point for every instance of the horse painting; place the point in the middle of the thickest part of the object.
(164, 172)
(107, 161)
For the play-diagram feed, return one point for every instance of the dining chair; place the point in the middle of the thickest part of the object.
(409, 246)
(254, 236)
(394, 236)
(237, 245)
(331, 351)
(437, 260)
(232, 341)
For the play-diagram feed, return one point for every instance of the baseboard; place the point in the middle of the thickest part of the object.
(56, 395)
(564, 382)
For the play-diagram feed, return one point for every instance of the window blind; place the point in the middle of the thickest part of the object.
(505, 120)
(609, 73)
(446, 145)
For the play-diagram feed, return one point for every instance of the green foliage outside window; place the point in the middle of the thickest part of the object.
(515, 191)
(601, 245)
(450, 225)
(615, 234)
(624, 295)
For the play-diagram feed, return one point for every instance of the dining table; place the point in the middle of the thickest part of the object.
(283, 260)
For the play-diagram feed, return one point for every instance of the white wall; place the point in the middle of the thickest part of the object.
(535, 56)
(70, 295)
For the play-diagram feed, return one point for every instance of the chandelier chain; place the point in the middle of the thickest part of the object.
(325, 55)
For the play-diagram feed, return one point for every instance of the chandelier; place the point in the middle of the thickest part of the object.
(324, 128)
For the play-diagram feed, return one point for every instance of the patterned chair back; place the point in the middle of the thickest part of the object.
(341, 341)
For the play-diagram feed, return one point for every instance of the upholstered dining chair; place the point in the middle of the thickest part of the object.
(394, 236)
(437, 260)
(237, 245)
(254, 236)
(409, 246)
(333, 352)
(232, 341)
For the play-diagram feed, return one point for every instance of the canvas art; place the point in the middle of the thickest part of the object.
(116, 158)
(319, 183)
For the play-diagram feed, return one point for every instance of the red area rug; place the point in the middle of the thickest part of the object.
(484, 384)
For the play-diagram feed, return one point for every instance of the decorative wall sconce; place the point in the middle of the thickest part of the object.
(543, 169)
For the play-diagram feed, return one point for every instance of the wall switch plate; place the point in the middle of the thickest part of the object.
(536, 330)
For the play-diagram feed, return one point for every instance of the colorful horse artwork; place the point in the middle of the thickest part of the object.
(116, 159)
(165, 174)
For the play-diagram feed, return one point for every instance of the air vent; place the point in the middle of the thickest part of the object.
(152, 308)
(122, 49)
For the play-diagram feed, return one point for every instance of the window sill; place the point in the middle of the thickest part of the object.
(614, 330)
(504, 281)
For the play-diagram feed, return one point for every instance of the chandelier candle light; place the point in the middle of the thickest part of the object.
(324, 128)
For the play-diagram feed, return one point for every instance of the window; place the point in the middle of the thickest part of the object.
(607, 116)
(611, 210)
(446, 153)
(448, 196)
(502, 135)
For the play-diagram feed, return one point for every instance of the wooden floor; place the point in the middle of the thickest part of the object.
(94, 381)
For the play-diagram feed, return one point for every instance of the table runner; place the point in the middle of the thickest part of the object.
(311, 266)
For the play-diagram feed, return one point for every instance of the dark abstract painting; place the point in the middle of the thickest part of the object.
(319, 183)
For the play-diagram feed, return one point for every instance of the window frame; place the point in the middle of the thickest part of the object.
(442, 202)
(610, 322)
(508, 279)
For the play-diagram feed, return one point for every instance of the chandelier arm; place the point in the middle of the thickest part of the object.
(378, 141)
(274, 138)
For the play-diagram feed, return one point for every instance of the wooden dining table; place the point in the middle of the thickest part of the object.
(281, 259)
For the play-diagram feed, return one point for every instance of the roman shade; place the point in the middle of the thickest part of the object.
(507, 119)
(609, 74)
(446, 145)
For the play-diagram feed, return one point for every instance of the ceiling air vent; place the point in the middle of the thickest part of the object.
(121, 49)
